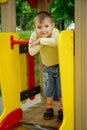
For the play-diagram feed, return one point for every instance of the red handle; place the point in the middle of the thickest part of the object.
(17, 42)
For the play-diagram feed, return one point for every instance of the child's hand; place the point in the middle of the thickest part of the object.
(37, 42)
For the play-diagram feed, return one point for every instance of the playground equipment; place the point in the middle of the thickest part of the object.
(3, 1)
(11, 79)
(66, 61)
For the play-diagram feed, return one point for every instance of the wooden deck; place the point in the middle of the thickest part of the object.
(34, 115)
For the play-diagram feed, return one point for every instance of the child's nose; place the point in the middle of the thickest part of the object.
(43, 29)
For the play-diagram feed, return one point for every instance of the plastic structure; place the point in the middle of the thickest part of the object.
(66, 61)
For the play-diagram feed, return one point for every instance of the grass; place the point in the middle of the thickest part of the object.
(24, 35)
(37, 74)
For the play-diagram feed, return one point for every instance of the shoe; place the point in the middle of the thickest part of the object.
(60, 115)
(49, 114)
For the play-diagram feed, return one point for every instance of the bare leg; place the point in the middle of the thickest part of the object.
(49, 102)
(49, 113)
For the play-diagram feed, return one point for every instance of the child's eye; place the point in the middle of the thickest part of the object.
(46, 26)
(39, 27)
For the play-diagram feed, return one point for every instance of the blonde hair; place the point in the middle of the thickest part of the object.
(40, 16)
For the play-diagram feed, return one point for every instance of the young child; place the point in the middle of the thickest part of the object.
(44, 39)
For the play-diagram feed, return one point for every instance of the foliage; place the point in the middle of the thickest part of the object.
(24, 35)
(25, 15)
(62, 10)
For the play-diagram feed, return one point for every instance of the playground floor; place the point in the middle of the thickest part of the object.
(34, 115)
(33, 118)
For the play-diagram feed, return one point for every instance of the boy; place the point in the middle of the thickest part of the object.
(44, 39)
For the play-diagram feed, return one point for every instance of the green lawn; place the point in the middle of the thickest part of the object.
(24, 34)
(37, 74)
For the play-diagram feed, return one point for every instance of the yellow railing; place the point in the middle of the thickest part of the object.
(66, 61)
(3, 1)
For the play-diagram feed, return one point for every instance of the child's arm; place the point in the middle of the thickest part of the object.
(35, 43)
(33, 48)
(33, 51)
(51, 41)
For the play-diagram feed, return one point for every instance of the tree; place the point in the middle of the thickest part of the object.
(62, 12)
(25, 15)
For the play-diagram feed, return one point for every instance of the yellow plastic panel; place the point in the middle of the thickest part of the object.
(66, 61)
(3, 1)
(9, 74)
(23, 70)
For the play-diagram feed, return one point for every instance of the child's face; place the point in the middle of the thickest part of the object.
(44, 29)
